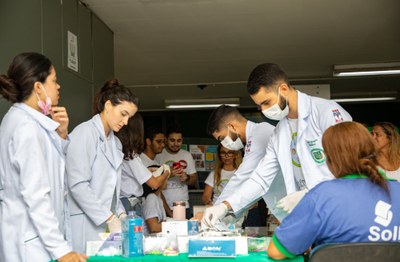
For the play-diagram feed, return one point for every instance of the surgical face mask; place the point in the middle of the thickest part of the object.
(275, 112)
(232, 145)
(44, 106)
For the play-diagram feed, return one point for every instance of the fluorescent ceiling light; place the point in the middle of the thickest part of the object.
(367, 69)
(200, 103)
(365, 99)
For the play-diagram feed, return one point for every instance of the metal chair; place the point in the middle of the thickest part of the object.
(357, 252)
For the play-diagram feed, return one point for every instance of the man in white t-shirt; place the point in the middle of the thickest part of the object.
(154, 141)
(183, 172)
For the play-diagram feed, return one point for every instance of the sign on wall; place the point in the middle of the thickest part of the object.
(72, 51)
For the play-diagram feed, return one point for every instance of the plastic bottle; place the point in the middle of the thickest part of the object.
(132, 235)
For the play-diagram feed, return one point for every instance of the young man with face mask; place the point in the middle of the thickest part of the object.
(235, 132)
(294, 150)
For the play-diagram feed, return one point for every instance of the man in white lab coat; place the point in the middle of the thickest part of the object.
(235, 132)
(294, 151)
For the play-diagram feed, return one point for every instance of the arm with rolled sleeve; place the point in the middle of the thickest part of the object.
(258, 183)
(80, 156)
(35, 188)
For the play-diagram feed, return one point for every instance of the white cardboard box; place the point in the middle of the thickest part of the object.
(180, 228)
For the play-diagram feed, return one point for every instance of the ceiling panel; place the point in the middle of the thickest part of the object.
(182, 43)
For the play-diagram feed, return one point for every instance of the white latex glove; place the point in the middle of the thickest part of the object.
(161, 170)
(213, 214)
(122, 216)
(290, 201)
(114, 225)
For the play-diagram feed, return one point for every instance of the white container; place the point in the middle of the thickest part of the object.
(179, 210)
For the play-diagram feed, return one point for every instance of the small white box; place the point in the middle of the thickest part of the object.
(180, 228)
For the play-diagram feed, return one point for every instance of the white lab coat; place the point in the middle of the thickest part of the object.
(315, 116)
(33, 222)
(93, 167)
(257, 137)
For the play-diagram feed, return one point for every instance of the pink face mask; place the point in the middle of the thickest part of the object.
(44, 106)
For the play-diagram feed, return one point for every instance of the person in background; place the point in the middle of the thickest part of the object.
(93, 164)
(294, 150)
(388, 144)
(153, 209)
(33, 207)
(134, 173)
(226, 164)
(183, 172)
(154, 144)
(359, 206)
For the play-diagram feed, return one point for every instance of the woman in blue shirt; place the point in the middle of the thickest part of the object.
(362, 205)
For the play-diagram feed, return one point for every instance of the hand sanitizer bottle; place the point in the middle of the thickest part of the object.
(132, 235)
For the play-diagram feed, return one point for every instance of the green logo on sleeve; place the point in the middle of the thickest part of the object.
(318, 155)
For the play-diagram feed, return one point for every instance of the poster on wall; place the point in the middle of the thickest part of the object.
(72, 51)
(203, 156)
(211, 154)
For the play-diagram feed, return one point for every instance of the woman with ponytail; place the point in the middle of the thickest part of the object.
(93, 164)
(33, 224)
(361, 205)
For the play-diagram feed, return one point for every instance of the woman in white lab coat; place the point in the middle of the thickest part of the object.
(33, 221)
(93, 165)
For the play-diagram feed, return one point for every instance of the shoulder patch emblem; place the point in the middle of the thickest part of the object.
(337, 115)
(318, 155)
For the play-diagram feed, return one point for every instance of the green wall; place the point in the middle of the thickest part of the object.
(42, 26)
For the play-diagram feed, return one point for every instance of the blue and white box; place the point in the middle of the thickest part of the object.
(212, 247)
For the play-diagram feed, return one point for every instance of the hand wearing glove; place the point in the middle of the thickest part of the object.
(290, 201)
(213, 214)
(122, 216)
(114, 224)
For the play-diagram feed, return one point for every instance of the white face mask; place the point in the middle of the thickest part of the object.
(232, 145)
(44, 106)
(275, 112)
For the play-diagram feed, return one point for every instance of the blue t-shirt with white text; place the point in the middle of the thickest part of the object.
(345, 210)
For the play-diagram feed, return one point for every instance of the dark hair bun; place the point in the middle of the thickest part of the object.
(110, 84)
(8, 89)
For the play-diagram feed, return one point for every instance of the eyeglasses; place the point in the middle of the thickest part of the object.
(227, 154)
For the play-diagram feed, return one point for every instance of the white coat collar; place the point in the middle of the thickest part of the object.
(304, 111)
(45, 121)
(303, 105)
(249, 128)
(115, 155)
